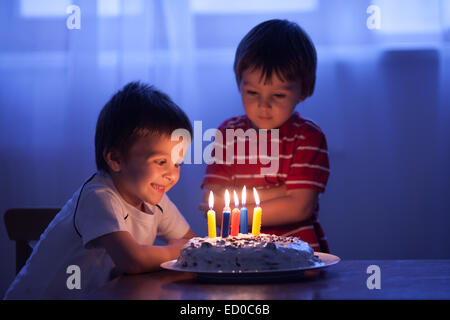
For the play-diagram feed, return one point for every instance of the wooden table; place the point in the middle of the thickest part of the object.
(400, 279)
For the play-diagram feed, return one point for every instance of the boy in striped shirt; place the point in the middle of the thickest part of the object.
(275, 66)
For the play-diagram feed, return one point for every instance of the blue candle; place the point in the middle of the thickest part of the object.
(225, 224)
(225, 231)
(243, 226)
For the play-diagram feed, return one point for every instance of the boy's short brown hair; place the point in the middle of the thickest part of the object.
(279, 46)
(135, 111)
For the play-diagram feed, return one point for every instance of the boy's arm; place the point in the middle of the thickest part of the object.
(189, 234)
(307, 176)
(296, 205)
(293, 206)
(219, 197)
(219, 191)
(219, 201)
(132, 257)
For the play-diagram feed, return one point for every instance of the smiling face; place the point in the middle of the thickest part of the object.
(268, 104)
(148, 171)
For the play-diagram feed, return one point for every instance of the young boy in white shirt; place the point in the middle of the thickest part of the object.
(109, 225)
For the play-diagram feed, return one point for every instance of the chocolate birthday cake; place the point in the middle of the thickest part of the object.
(246, 252)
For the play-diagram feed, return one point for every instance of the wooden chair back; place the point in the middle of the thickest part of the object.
(25, 225)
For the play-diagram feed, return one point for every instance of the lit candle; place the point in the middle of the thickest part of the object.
(235, 216)
(211, 217)
(226, 216)
(256, 225)
(243, 228)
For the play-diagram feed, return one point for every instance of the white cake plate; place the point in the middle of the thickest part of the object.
(255, 276)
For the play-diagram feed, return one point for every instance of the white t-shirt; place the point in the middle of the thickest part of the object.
(66, 241)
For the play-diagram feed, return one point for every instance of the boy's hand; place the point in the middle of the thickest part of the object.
(203, 207)
(264, 194)
(269, 193)
(132, 257)
(219, 202)
(176, 245)
(189, 234)
(297, 205)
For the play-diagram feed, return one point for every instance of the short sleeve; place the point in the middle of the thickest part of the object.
(310, 166)
(172, 224)
(99, 213)
(218, 173)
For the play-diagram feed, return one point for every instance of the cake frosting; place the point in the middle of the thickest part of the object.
(246, 252)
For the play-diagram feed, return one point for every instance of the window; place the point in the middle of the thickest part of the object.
(44, 8)
(114, 8)
(410, 16)
(252, 6)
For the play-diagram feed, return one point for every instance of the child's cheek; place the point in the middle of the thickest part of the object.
(131, 172)
(177, 177)
(141, 174)
(249, 105)
(149, 172)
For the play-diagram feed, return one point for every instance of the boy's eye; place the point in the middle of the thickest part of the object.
(251, 92)
(161, 162)
(178, 164)
(280, 95)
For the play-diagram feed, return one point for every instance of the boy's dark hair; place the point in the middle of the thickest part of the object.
(135, 111)
(279, 46)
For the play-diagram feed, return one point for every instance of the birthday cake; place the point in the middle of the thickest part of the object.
(246, 252)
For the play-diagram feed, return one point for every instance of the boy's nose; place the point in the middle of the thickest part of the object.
(263, 103)
(171, 174)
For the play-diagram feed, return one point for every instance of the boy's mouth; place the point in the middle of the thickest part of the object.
(264, 118)
(158, 187)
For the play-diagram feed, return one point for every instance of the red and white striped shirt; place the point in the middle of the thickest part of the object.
(302, 163)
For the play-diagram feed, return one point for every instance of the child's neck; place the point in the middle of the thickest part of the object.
(253, 126)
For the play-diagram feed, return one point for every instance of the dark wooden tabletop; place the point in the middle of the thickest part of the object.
(399, 279)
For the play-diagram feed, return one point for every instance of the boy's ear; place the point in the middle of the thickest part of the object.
(113, 159)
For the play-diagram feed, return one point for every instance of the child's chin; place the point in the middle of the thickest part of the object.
(159, 200)
(264, 125)
(154, 200)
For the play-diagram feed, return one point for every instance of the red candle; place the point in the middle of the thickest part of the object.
(235, 216)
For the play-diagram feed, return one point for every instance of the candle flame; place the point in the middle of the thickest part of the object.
(227, 198)
(255, 194)
(211, 200)
(236, 199)
(244, 196)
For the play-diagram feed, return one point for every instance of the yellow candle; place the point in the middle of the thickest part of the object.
(211, 217)
(257, 211)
